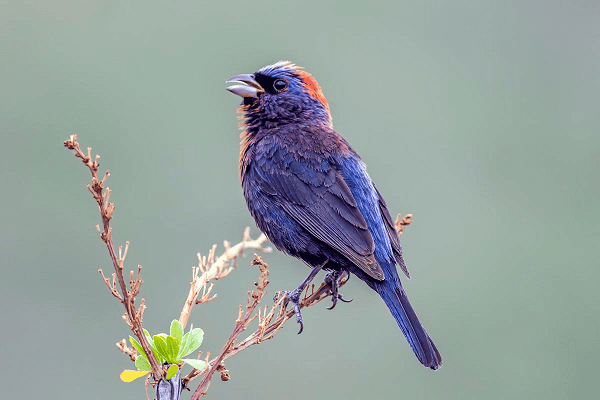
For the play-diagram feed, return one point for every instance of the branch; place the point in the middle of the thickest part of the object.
(212, 269)
(244, 318)
(400, 223)
(265, 331)
(130, 351)
(133, 317)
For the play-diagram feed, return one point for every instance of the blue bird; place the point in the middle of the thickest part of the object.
(310, 193)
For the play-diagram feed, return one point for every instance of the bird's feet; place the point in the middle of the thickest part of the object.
(294, 298)
(333, 279)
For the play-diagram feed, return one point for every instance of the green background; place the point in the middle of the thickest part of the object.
(480, 118)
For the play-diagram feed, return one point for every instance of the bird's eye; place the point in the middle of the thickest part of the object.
(280, 85)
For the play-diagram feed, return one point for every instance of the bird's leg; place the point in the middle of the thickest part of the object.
(294, 296)
(333, 280)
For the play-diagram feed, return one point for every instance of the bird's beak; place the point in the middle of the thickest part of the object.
(250, 87)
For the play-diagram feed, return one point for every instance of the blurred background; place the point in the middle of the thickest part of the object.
(478, 117)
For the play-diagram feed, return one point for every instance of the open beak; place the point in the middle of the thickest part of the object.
(250, 87)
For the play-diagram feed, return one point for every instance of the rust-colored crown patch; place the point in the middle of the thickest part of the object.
(313, 88)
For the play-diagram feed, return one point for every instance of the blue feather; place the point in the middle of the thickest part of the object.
(390, 289)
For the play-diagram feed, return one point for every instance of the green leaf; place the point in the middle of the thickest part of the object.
(176, 330)
(194, 340)
(142, 363)
(198, 364)
(172, 371)
(172, 350)
(161, 349)
(137, 346)
(197, 335)
(183, 345)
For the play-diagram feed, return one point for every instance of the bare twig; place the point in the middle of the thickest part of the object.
(132, 316)
(400, 223)
(244, 318)
(265, 331)
(130, 351)
(212, 269)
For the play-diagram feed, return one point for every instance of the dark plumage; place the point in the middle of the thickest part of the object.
(310, 193)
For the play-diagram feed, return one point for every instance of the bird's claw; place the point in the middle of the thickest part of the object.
(294, 295)
(294, 298)
(333, 280)
(336, 298)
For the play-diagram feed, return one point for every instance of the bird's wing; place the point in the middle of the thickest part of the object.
(393, 235)
(319, 200)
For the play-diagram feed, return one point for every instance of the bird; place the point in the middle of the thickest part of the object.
(310, 194)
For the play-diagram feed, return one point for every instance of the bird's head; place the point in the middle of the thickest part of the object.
(281, 93)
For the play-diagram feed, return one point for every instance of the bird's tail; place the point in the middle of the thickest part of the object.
(395, 298)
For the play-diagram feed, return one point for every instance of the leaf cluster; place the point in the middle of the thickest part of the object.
(170, 349)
